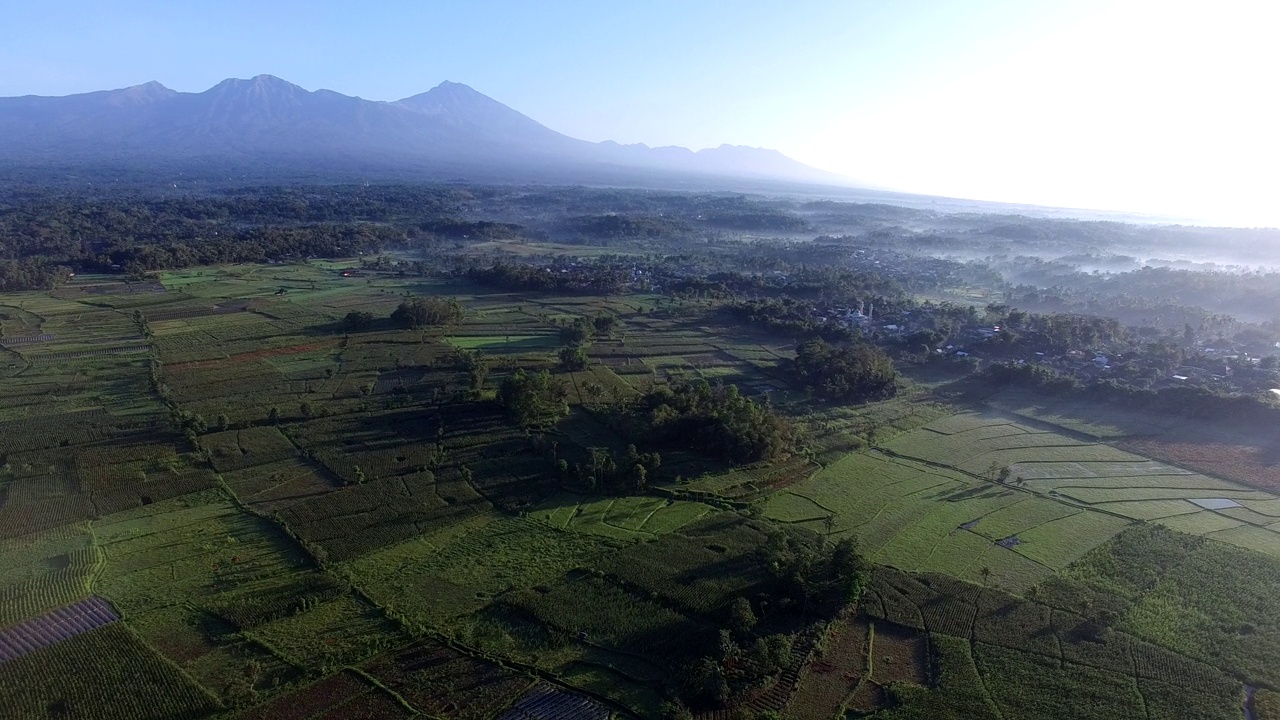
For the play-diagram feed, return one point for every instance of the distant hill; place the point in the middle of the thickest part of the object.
(268, 122)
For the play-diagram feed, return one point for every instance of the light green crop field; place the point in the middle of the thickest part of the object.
(1061, 466)
(932, 502)
(918, 517)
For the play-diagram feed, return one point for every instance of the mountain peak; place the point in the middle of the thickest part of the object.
(151, 86)
(258, 85)
(445, 96)
(144, 93)
(265, 80)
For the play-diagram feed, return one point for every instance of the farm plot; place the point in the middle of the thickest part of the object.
(330, 635)
(918, 517)
(898, 655)
(1246, 458)
(500, 344)
(364, 518)
(459, 569)
(194, 309)
(128, 473)
(343, 695)
(1103, 422)
(550, 703)
(699, 568)
(626, 518)
(55, 626)
(750, 483)
(276, 486)
(830, 679)
(400, 441)
(43, 431)
(41, 499)
(444, 683)
(603, 613)
(597, 384)
(1030, 686)
(239, 449)
(194, 549)
(176, 344)
(42, 571)
(1070, 656)
(105, 673)
(237, 671)
(974, 439)
(1209, 600)
(244, 394)
(960, 693)
(1088, 474)
(1234, 451)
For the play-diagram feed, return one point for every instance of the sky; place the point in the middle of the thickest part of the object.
(1162, 107)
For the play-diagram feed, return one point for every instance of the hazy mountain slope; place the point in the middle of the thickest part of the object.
(265, 119)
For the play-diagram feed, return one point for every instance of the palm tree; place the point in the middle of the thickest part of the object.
(986, 574)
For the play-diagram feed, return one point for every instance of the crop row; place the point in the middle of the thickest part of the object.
(23, 517)
(9, 342)
(35, 595)
(184, 313)
(548, 703)
(46, 431)
(55, 626)
(46, 358)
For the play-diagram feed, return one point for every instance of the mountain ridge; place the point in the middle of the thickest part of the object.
(450, 127)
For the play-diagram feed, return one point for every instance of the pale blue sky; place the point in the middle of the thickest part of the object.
(1157, 106)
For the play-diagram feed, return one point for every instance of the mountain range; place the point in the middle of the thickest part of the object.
(450, 130)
